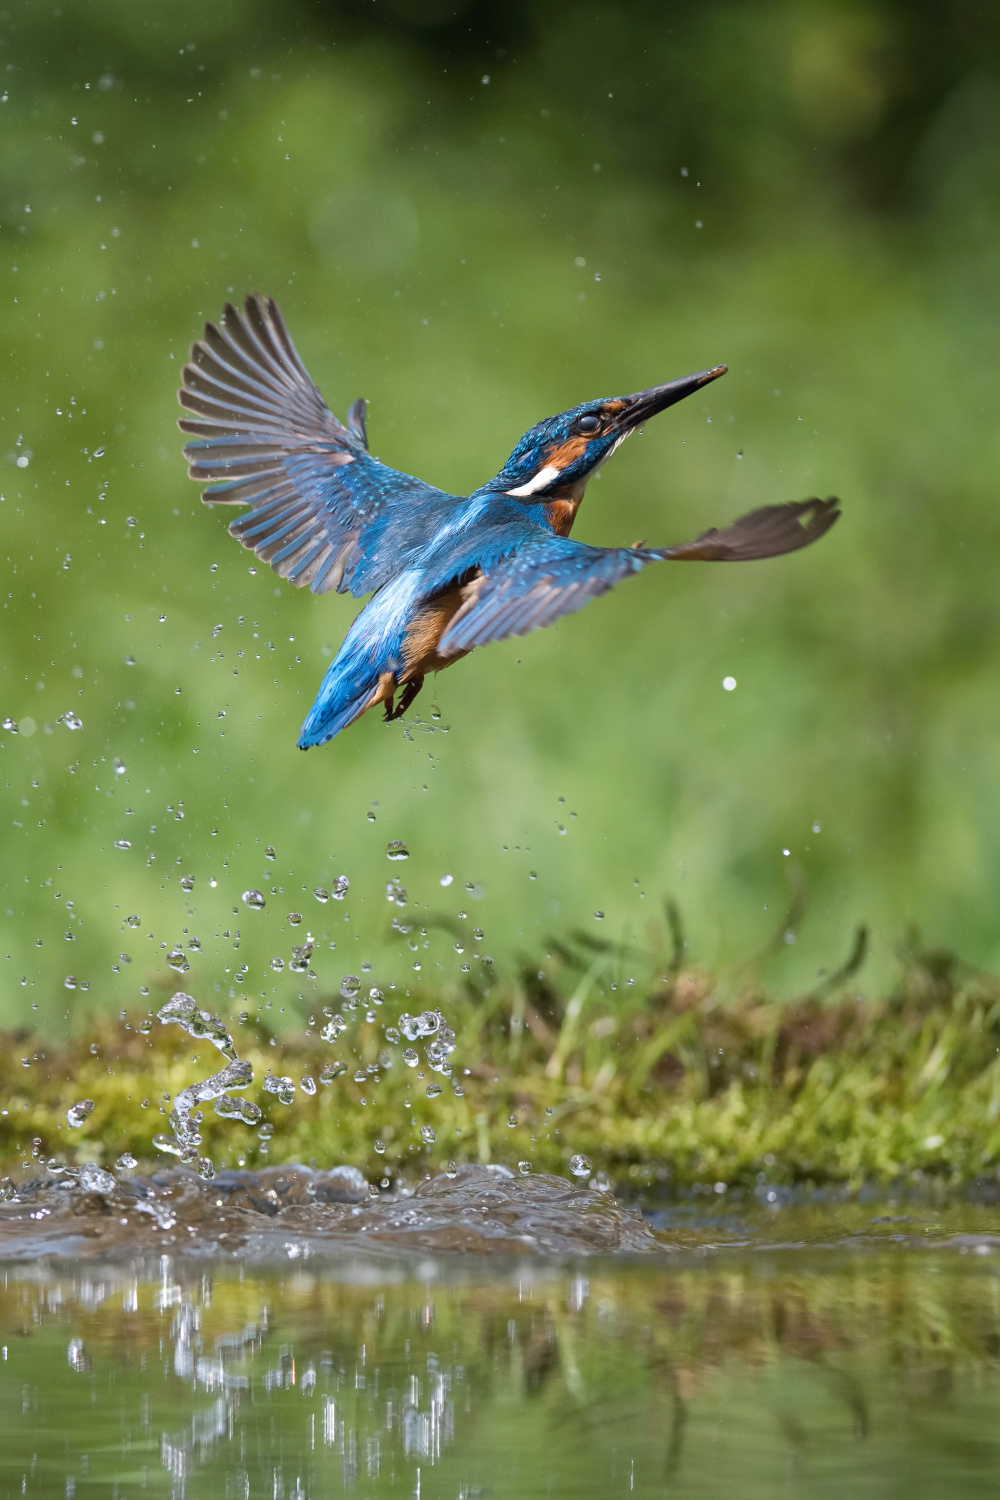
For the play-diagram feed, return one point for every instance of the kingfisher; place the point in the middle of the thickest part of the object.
(446, 573)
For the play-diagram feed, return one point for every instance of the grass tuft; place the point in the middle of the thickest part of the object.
(680, 1079)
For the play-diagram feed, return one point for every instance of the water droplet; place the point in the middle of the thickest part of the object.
(524, 1167)
(332, 1071)
(598, 916)
(72, 720)
(231, 1107)
(380, 1147)
(254, 899)
(433, 1090)
(277, 964)
(428, 1134)
(511, 1121)
(282, 1086)
(321, 894)
(177, 959)
(333, 1028)
(126, 1162)
(729, 683)
(396, 893)
(602, 1182)
(446, 880)
(299, 961)
(145, 1027)
(370, 816)
(269, 852)
(77, 1113)
(307, 1084)
(123, 844)
(340, 888)
(349, 986)
(93, 1179)
(411, 1057)
(132, 921)
(396, 849)
(202, 1025)
(69, 983)
(580, 1166)
(294, 919)
(10, 725)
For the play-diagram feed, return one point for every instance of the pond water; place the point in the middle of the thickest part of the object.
(264, 1335)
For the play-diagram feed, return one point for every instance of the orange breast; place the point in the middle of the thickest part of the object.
(420, 646)
(561, 514)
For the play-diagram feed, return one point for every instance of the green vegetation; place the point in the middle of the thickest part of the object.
(675, 1079)
(435, 241)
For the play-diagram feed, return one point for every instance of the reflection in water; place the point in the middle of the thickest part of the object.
(737, 1376)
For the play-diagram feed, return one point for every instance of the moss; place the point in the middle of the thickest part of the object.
(684, 1078)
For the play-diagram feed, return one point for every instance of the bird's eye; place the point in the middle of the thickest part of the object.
(588, 425)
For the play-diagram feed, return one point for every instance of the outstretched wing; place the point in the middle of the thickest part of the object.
(264, 437)
(554, 576)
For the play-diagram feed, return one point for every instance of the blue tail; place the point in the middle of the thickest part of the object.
(342, 697)
(371, 647)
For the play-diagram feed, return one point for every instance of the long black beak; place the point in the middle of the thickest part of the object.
(646, 404)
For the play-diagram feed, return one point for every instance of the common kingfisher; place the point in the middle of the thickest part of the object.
(446, 573)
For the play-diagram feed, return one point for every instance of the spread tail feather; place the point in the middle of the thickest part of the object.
(342, 698)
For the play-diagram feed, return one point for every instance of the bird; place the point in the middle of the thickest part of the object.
(446, 573)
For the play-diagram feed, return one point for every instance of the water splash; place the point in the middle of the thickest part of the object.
(200, 1024)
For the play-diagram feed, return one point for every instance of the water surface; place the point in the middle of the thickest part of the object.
(735, 1350)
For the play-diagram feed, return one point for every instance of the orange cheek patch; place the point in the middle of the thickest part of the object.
(562, 455)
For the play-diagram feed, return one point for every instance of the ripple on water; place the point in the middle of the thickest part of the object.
(255, 1216)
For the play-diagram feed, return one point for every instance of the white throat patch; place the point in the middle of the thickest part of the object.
(541, 481)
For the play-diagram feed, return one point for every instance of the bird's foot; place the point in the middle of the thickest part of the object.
(410, 691)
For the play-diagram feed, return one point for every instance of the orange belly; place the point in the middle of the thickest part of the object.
(420, 653)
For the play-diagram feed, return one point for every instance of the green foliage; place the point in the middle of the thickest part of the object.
(434, 241)
(678, 1078)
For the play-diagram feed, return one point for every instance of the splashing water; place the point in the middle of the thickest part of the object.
(200, 1024)
(282, 1086)
(185, 1117)
(77, 1113)
(232, 1108)
(183, 1120)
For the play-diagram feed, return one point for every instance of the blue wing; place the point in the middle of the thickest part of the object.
(550, 576)
(264, 437)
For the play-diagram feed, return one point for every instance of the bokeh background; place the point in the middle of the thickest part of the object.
(476, 214)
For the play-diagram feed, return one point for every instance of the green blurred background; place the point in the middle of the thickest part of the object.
(476, 214)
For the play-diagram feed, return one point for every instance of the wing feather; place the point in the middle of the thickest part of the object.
(549, 576)
(262, 435)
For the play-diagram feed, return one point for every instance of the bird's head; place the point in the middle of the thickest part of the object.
(556, 457)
